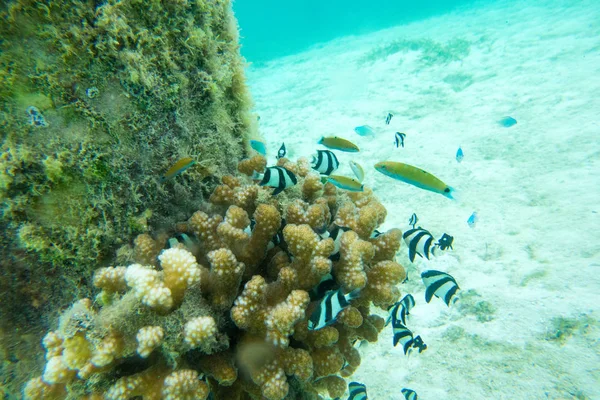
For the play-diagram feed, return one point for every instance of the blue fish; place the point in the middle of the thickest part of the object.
(364, 130)
(473, 220)
(259, 147)
(507, 122)
(459, 154)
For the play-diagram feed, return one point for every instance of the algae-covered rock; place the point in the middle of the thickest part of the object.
(99, 100)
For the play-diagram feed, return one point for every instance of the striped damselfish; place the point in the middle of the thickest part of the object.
(276, 177)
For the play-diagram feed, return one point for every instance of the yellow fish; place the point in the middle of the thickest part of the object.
(178, 167)
(337, 143)
(414, 176)
(343, 182)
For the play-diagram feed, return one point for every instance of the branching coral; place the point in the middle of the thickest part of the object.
(241, 320)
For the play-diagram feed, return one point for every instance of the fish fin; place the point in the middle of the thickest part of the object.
(277, 191)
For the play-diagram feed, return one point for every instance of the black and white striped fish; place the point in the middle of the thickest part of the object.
(328, 309)
(419, 344)
(421, 242)
(276, 177)
(326, 284)
(388, 119)
(358, 391)
(335, 232)
(440, 284)
(399, 139)
(412, 221)
(281, 152)
(445, 242)
(409, 394)
(399, 310)
(402, 335)
(325, 162)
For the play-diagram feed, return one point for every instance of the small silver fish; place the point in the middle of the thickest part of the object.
(472, 221)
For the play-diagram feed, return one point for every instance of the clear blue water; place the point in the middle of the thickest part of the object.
(273, 28)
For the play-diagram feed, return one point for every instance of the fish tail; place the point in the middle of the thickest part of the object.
(256, 176)
(353, 294)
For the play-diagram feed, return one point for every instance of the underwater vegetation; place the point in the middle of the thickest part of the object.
(226, 310)
(562, 328)
(430, 51)
(99, 100)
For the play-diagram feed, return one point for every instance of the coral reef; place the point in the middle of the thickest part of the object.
(99, 100)
(227, 311)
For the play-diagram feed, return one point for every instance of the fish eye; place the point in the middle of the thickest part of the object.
(447, 190)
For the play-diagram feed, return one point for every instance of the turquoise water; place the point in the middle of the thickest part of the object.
(525, 325)
(271, 28)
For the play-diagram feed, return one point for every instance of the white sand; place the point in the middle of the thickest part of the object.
(535, 253)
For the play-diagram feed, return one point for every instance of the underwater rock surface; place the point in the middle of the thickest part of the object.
(99, 100)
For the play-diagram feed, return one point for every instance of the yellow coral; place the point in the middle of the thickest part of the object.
(184, 385)
(333, 384)
(205, 228)
(180, 271)
(386, 245)
(146, 249)
(52, 342)
(108, 350)
(311, 255)
(201, 333)
(272, 307)
(382, 279)
(149, 288)
(37, 389)
(354, 255)
(311, 187)
(57, 371)
(148, 338)
(111, 279)
(232, 229)
(224, 278)
(220, 367)
(252, 313)
(316, 215)
(248, 166)
(363, 215)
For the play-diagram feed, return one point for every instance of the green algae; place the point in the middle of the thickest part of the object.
(170, 81)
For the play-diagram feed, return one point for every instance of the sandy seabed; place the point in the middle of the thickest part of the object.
(526, 322)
